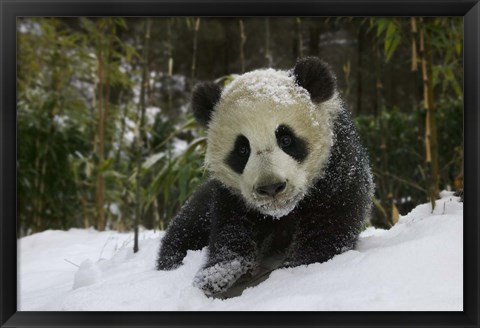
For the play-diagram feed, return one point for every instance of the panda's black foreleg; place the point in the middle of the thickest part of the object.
(319, 240)
(232, 253)
(188, 230)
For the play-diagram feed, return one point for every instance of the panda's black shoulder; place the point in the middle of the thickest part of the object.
(226, 200)
(348, 168)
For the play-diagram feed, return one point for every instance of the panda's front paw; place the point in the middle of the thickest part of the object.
(216, 279)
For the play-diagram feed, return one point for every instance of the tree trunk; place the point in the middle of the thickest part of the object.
(361, 36)
(36, 185)
(195, 41)
(243, 38)
(170, 64)
(141, 134)
(100, 141)
(298, 39)
(268, 54)
(384, 190)
(314, 42)
(435, 170)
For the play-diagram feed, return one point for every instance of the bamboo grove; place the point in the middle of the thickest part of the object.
(105, 135)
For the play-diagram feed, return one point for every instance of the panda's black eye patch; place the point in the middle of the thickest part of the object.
(292, 145)
(238, 157)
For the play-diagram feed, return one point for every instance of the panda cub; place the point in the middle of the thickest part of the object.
(289, 177)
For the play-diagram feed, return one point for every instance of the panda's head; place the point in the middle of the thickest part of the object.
(270, 132)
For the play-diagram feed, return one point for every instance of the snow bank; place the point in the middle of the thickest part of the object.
(416, 265)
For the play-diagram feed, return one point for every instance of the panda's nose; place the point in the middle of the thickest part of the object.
(271, 189)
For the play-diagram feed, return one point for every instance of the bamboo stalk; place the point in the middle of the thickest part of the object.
(141, 135)
(414, 67)
(36, 183)
(42, 190)
(86, 216)
(242, 45)
(360, 38)
(170, 62)
(431, 142)
(195, 41)
(268, 55)
(298, 22)
(100, 139)
(432, 126)
(426, 98)
(413, 22)
(107, 106)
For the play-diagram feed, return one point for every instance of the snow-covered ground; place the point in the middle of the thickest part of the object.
(416, 265)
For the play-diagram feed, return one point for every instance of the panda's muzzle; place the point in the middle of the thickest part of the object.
(271, 189)
(274, 196)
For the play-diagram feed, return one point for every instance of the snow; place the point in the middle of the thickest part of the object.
(151, 114)
(274, 85)
(61, 121)
(417, 265)
(179, 146)
(28, 26)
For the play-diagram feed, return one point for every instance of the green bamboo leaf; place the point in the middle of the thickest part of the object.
(393, 46)
(381, 26)
(114, 174)
(391, 29)
(458, 47)
(183, 180)
(158, 182)
(105, 165)
(392, 39)
(191, 123)
(152, 160)
(190, 149)
(457, 88)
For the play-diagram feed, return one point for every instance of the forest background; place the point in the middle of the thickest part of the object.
(105, 135)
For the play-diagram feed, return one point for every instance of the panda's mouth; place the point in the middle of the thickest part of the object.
(278, 207)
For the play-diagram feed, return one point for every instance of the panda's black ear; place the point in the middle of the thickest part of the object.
(316, 77)
(205, 96)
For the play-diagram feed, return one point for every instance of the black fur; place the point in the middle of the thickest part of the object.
(316, 77)
(237, 160)
(205, 96)
(297, 149)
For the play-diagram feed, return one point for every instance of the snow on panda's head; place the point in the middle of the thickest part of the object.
(270, 132)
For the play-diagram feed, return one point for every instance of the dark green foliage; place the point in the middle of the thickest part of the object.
(450, 127)
(396, 147)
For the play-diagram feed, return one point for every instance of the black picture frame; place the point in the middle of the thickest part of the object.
(9, 10)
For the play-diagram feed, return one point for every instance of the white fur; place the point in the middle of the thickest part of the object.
(255, 104)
